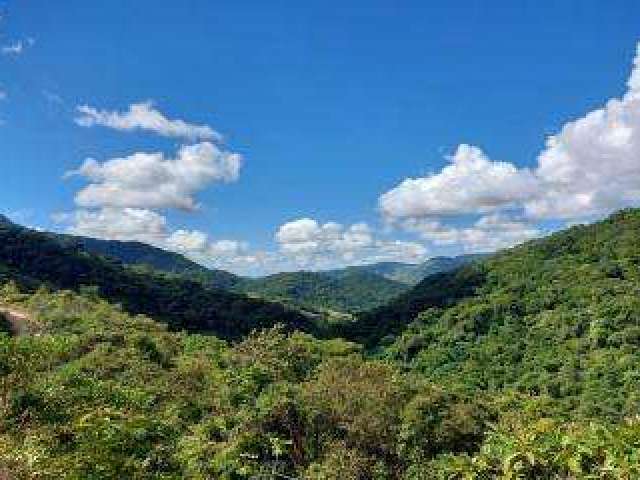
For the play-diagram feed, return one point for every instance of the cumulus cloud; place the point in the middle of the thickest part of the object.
(471, 183)
(306, 243)
(149, 180)
(143, 116)
(123, 195)
(127, 224)
(147, 226)
(188, 241)
(301, 244)
(195, 242)
(488, 233)
(13, 48)
(590, 168)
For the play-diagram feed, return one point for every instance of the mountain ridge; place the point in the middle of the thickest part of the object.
(332, 289)
(35, 259)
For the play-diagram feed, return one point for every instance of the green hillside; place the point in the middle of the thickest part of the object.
(343, 290)
(346, 290)
(34, 259)
(523, 365)
(136, 253)
(411, 274)
(558, 316)
(351, 291)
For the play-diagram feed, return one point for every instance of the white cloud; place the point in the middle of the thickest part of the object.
(590, 168)
(228, 254)
(307, 236)
(302, 244)
(195, 242)
(305, 243)
(3, 95)
(123, 195)
(143, 116)
(15, 48)
(149, 180)
(488, 233)
(188, 241)
(471, 183)
(147, 226)
(127, 224)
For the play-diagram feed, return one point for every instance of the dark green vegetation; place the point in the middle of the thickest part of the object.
(136, 253)
(33, 259)
(352, 291)
(558, 316)
(348, 290)
(524, 365)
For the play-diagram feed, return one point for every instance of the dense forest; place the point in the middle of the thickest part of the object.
(524, 364)
(348, 290)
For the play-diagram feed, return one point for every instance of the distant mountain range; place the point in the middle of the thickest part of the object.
(350, 289)
(410, 274)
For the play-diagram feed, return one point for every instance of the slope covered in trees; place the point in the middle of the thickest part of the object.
(95, 393)
(136, 253)
(558, 316)
(347, 291)
(352, 291)
(33, 258)
(524, 365)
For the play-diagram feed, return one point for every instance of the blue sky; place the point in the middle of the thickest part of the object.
(331, 107)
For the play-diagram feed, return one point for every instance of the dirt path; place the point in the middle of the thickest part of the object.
(20, 322)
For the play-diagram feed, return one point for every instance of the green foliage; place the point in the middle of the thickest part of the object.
(136, 253)
(350, 291)
(558, 316)
(523, 366)
(33, 259)
(97, 393)
(411, 274)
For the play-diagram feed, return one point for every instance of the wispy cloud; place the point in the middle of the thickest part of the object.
(17, 47)
(144, 116)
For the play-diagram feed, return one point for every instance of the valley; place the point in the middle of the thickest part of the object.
(522, 364)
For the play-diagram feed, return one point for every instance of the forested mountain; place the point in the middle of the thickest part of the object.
(559, 316)
(410, 274)
(351, 291)
(526, 367)
(33, 259)
(136, 253)
(343, 290)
